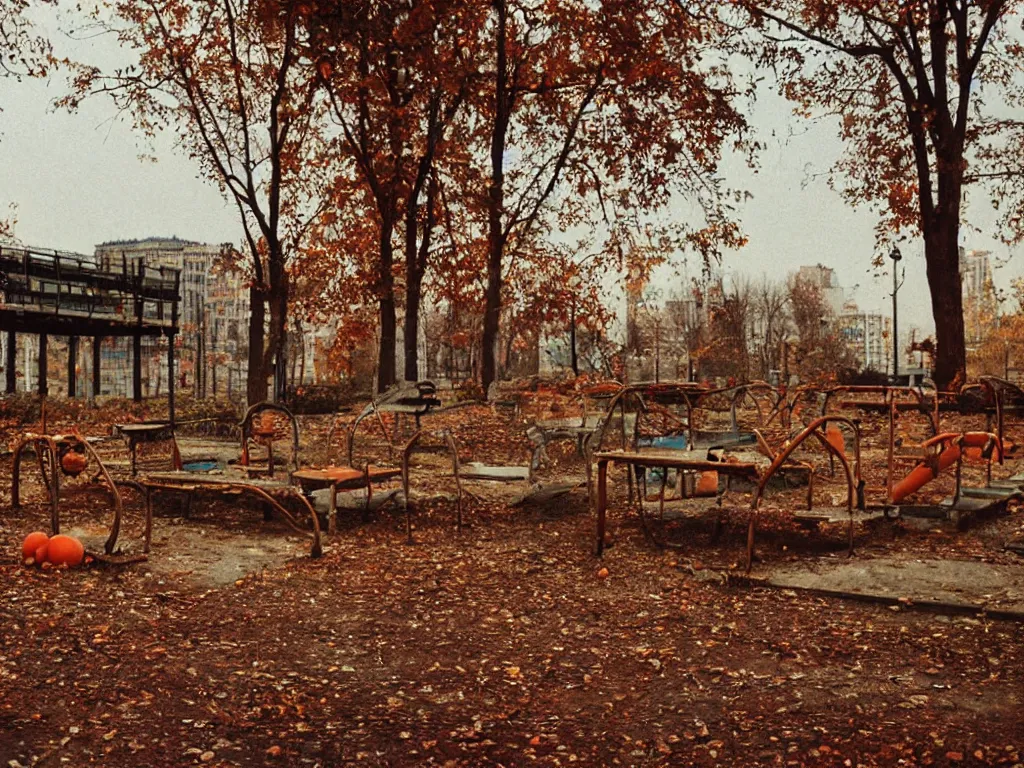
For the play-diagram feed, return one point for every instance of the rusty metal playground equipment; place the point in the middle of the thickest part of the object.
(750, 438)
(833, 419)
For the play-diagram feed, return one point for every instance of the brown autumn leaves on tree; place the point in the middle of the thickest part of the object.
(478, 137)
(396, 76)
(229, 78)
(613, 105)
(24, 52)
(424, 112)
(919, 89)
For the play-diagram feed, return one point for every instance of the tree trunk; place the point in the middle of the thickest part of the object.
(276, 356)
(495, 204)
(256, 383)
(415, 267)
(413, 295)
(573, 358)
(492, 306)
(388, 324)
(941, 229)
(942, 257)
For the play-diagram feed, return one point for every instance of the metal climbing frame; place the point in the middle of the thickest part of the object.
(854, 484)
(48, 450)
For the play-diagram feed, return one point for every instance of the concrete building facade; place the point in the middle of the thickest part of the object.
(868, 335)
(824, 279)
(979, 296)
(212, 348)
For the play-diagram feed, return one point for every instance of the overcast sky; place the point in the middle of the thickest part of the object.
(78, 180)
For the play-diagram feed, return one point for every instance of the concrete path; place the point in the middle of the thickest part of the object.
(960, 583)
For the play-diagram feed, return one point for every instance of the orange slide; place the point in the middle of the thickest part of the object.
(972, 444)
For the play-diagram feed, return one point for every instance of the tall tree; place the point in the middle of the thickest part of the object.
(396, 76)
(609, 105)
(820, 353)
(915, 86)
(770, 324)
(226, 76)
(730, 317)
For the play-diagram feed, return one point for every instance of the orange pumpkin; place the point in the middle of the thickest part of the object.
(33, 542)
(65, 550)
(73, 463)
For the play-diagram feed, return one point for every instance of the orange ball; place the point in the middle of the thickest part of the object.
(66, 550)
(73, 463)
(32, 542)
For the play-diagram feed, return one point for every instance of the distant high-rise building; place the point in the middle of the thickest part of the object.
(824, 279)
(868, 336)
(979, 296)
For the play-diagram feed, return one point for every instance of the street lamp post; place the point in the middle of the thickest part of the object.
(896, 256)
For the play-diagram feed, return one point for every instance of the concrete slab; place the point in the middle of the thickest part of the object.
(962, 583)
(355, 500)
(206, 556)
(476, 471)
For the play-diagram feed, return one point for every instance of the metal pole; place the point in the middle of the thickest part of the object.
(896, 257)
(895, 327)
(72, 366)
(170, 377)
(96, 375)
(12, 363)
(43, 390)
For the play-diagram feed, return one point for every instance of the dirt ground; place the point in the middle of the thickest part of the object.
(503, 644)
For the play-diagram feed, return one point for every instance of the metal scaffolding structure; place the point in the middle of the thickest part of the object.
(49, 293)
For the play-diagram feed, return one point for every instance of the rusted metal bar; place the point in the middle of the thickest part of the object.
(369, 492)
(454, 447)
(602, 502)
(622, 414)
(406, 453)
(115, 526)
(351, 434)
(810, 429)
(40, 443)
(192, 484)
(661, 494)
(745, 391)
(676, 461)
(890, 450)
